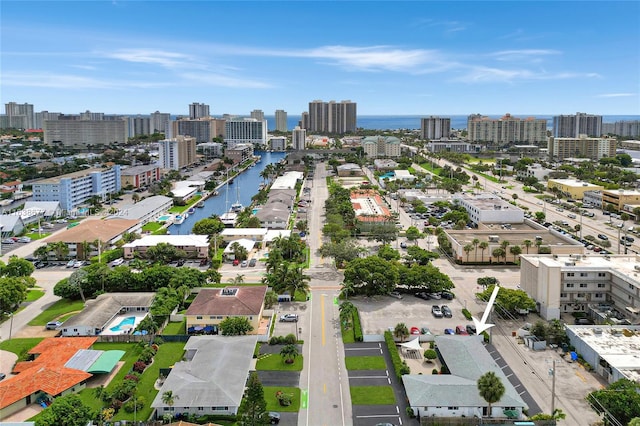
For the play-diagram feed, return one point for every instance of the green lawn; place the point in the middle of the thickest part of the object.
(372, 395)
(168, 354)
(347, 333)
(151, 226)
(190, 203)
(175, 328)
(20, 346)
(272, 401)
(58, 309)
(300, 296)
(275, 362)
(37, 236)
(34, 295)
(365, 363)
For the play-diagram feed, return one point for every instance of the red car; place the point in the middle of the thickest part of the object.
(415, 330)
(236, 262)
(461, 330)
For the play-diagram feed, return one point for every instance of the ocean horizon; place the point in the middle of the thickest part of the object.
(394, 122)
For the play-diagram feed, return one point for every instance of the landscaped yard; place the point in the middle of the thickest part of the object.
(58, 309)
(37, 236)
(190, 203)
(175, 328)
(372, 395)
(275, 362)
(20, 346)
(347, 333)
(272, 401)
(34, 294)
(365, 363)
(151, 226)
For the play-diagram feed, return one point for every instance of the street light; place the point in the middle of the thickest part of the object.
(10, 323)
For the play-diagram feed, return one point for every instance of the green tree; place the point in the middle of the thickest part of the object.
(18, 267)
(347, 309)
(13, 291)
(342, 251)
(372, 275)
(289, 353)
(42, 252)
(295, 280)
(384, 233)
(490, 388)
(239, 252)
(468, 248)
(401, 331)
(270, 299)
(237, 280)
(620, 399)
(208, 226)
(430, 355)
(509, 300)
(254, 407)
(169, 398)
(527, 244)
(68, 410)
(483, 246)
(420, 255)
(235, 326)
(557, 414)
(413, 234)
(388, 253)
(164, 253)
(476, 243)
(515, 252)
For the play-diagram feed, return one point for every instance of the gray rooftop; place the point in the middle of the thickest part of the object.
(132, 171)
(49, 207)
(99, 311)
(467, 360)
(141, 208)
(214, 373)
(84, 359)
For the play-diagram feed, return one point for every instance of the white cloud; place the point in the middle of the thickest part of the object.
(489, 74)
(154, 57)
(70, 81)
(615, 95)
(523, 54)
(213, 79)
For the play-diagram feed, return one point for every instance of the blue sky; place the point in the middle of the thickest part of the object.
(391, 58)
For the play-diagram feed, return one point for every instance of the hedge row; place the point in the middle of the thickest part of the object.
(400, 367)
(466, 313)
(108, 256)
(357, 326)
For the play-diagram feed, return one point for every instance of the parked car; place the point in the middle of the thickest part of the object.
(423, 295)
(274, 417)
(435, 296)
(425, 330)
(289, 318)
(603, 237)
(119, 261)
(628, 238)
(78, 264)
(52, 325)
(252, 262)
(415, 330)
(180, 262)
(204, 262)
(2, 376)
(446, 311)
(395, 294)
(471, 329)
(8, 241)
(244, 264)
(462, 330)
(449, 331)
(435, 310)
(403, 245)
(446, 295)
(236, 262)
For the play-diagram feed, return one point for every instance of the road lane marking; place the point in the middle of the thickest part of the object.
(581, 377)
(324, 386)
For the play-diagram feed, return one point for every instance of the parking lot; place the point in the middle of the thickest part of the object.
(382, 313)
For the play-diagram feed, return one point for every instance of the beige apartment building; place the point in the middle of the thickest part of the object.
(581, 147)
(177, 153)
(607, 288)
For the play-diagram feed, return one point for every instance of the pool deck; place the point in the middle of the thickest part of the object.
(118, 319)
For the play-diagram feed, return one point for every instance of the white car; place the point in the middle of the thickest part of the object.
(117, 262)
(289, 318)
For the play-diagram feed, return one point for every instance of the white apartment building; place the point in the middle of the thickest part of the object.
(84, 134)
(245, 130)
(20, 115)
(583, 283)
(160, 122)
(453, 146)
(278, 143)
(257, 114)
(73, 189)
(572, 126)
(198, 110)
(299, 138)
(381, 146)
(488, 208)
(582, 147)
(177, 153)
(534, 170)
(506, 130)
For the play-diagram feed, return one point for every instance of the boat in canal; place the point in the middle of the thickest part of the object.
(179, 219)
(200, 204)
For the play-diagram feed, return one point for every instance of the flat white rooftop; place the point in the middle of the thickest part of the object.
(575, 183)
(175, 240)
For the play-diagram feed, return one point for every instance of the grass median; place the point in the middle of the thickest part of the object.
(372, 395)
(365, 363)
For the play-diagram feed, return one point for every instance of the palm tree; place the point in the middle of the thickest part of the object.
(238, 279)
(86, 249)
(538, 244)
(475, 243)
(401, 331)
(491, 388)
(169, 398)
(527, 244)
(483, 246)
(296, 280)
(515, 252)
(347, 309)
(347, 287)
(42, 252)
(289, 353)
(468, 249)
(61, 250)
(497, 253)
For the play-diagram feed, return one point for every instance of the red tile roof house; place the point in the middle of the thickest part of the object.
(46, 376)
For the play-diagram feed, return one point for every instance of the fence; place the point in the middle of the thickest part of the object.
(124, 338)
(473, 421)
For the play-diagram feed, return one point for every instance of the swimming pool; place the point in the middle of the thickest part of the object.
(164, 218)
(126, 324)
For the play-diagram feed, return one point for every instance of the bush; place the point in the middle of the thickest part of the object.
(430, 355)
(139, 366)
(130, 406)
(410, 413)
(357, 326)
(285, 399)
(444, 370)
(466, 314)
(108, 256)
(486, 336)
(256, 350)
(276, 340)
(435, 371)
(289, 339)
(216, 263)
(400, 367)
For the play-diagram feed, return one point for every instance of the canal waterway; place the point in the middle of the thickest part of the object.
(244, 186)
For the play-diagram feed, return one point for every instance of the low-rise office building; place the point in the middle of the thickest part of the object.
(535, 171)
(489, 208)
(144, 211)
(592, 198)
(73, 189)
(580, 283)
(572, 188)
(619, 197)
